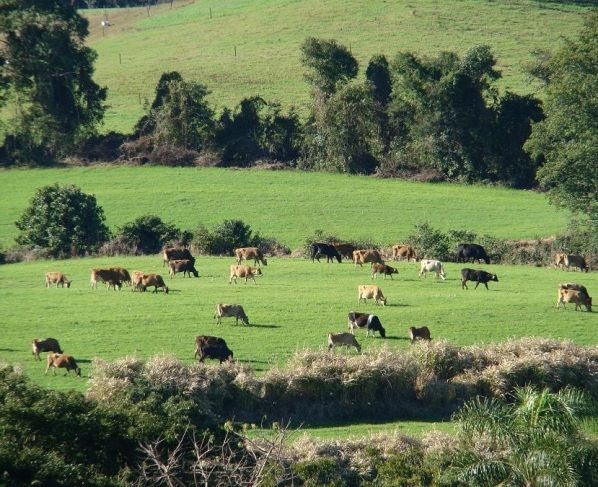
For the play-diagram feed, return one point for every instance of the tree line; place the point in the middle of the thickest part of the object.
(434, 117)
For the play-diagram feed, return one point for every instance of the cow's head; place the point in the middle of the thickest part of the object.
(338, 257)
(68, 283)
(195, 273)
(264, 261)
(258, 271)
(383, 301)
(382, 332)
(78, 371)
(165, 289)
(494, 278)
(487, 260)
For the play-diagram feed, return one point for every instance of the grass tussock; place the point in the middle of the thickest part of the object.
(316, 386)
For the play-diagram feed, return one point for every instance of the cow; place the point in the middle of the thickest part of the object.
(362, 256)
(343, 340)
(478, 276)
(365, 320)
(345, 249)
(48, 345)
(466, 251)
(231, 311)
(422, 333)
(245, 271)
(575, 287)
(174, 253)
(383, 269)
(575, 296)
(123, 274)
(403, 252)
(57, 278)
(110, 276)
(370, 291)
(248, 253)
(62, 361)
(319, 249)
(428, 265)
(212, 347)
(136, 279)
(184, 266)
(575, 261)
(559, 260)
(155, 280)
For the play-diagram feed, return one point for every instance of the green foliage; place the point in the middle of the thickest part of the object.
(147, 234)
(567, 140)
(378, 74)
(430, 242)
(225, 237)
(322, 472)
(330, 65)
(403, 469)
(63, 220)
(50, 71)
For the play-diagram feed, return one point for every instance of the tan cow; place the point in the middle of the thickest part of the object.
(110, 276)
(559, 259)
(136, 280)
(48, 345)
(404, 252)
(383, 269)
(362, 256)
(579, 298)
(422, 333)
(248, 253)
(231, 311)
(246, 271)
(57, 278)
(175, 253)
(155, 280)
(370, 291)
(62, 361)
(343, 340)
(123, 274)
(344, 249)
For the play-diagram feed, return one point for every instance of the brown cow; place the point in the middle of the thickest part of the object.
(48, 345)
(383, 269)
(123, 274)
(62, 361)
(422, 333)
(212, 347)
(57, 278)
(245, 271)
(110, 276)
(403, 252)
(136, 280)
(231, 311)
(248, 253)
(174, 253)
(343, 340)
(579, 298)
(184, 266)
(362, 256)
(370, 291)
(344, 249)
(155, 280)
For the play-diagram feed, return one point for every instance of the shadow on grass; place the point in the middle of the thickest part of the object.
(257, 325)
(9, 350)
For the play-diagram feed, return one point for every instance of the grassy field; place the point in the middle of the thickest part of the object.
(290, 205)
(241, 48)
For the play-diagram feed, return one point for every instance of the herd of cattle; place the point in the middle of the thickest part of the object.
(180, 260)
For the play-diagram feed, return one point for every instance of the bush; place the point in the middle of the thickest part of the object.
(146, 235)
(429, 242)
(64, 221)
(319, 473)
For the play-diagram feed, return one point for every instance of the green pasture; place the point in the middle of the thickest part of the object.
(289, 205)
(244, 48)
(292, 306)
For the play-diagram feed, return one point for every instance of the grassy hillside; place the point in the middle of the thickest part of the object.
(290, 205)
(267, 35)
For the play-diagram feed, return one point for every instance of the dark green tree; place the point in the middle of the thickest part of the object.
(146, 124)
(378, 74)
(63, 220)
(329, 64)
(49, 71)
(567, 140)
(148, 234)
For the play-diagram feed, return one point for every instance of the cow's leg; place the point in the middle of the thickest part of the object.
(254, 281)
(477, 284)
(464, 285)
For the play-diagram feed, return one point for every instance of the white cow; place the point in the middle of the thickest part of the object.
(435, 266)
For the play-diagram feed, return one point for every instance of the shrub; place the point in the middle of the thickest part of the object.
(430, 242)
(147, 234)
(64, 221)
(322, 472)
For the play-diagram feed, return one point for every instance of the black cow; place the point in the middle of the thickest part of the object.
(365, 320)
(187, 267)
(476, 276)
(473, 252)
(318, 250)
(212, 347)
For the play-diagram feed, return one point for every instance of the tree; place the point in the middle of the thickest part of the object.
(148, 234)
(378, 74)
(63, 220)
(49, 69)
(534, 441)
(146, 124)
(567, 140)
(331, 64)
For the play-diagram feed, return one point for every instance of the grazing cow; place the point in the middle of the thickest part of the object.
(184, 266)
(319, 249)
(248, 253)
(473, 252)
(422, 333)
(110, 276)
(62, 361)
(578, 297)
(48, 345)
(383, 269)
(575, 261)
(370, 291)
(231, 311)
(155, 280)
(57, 278)
(245, 271)
(123, 274)
(136, 279)
(428, 265)
(362, 256)
(480, 277)
(173, 253)
(345, 249)
(365, 320)
(403, 252)
(343, 340)
(575, 287)
(212, 347)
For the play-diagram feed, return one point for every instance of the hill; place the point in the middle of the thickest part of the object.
(239, 48)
